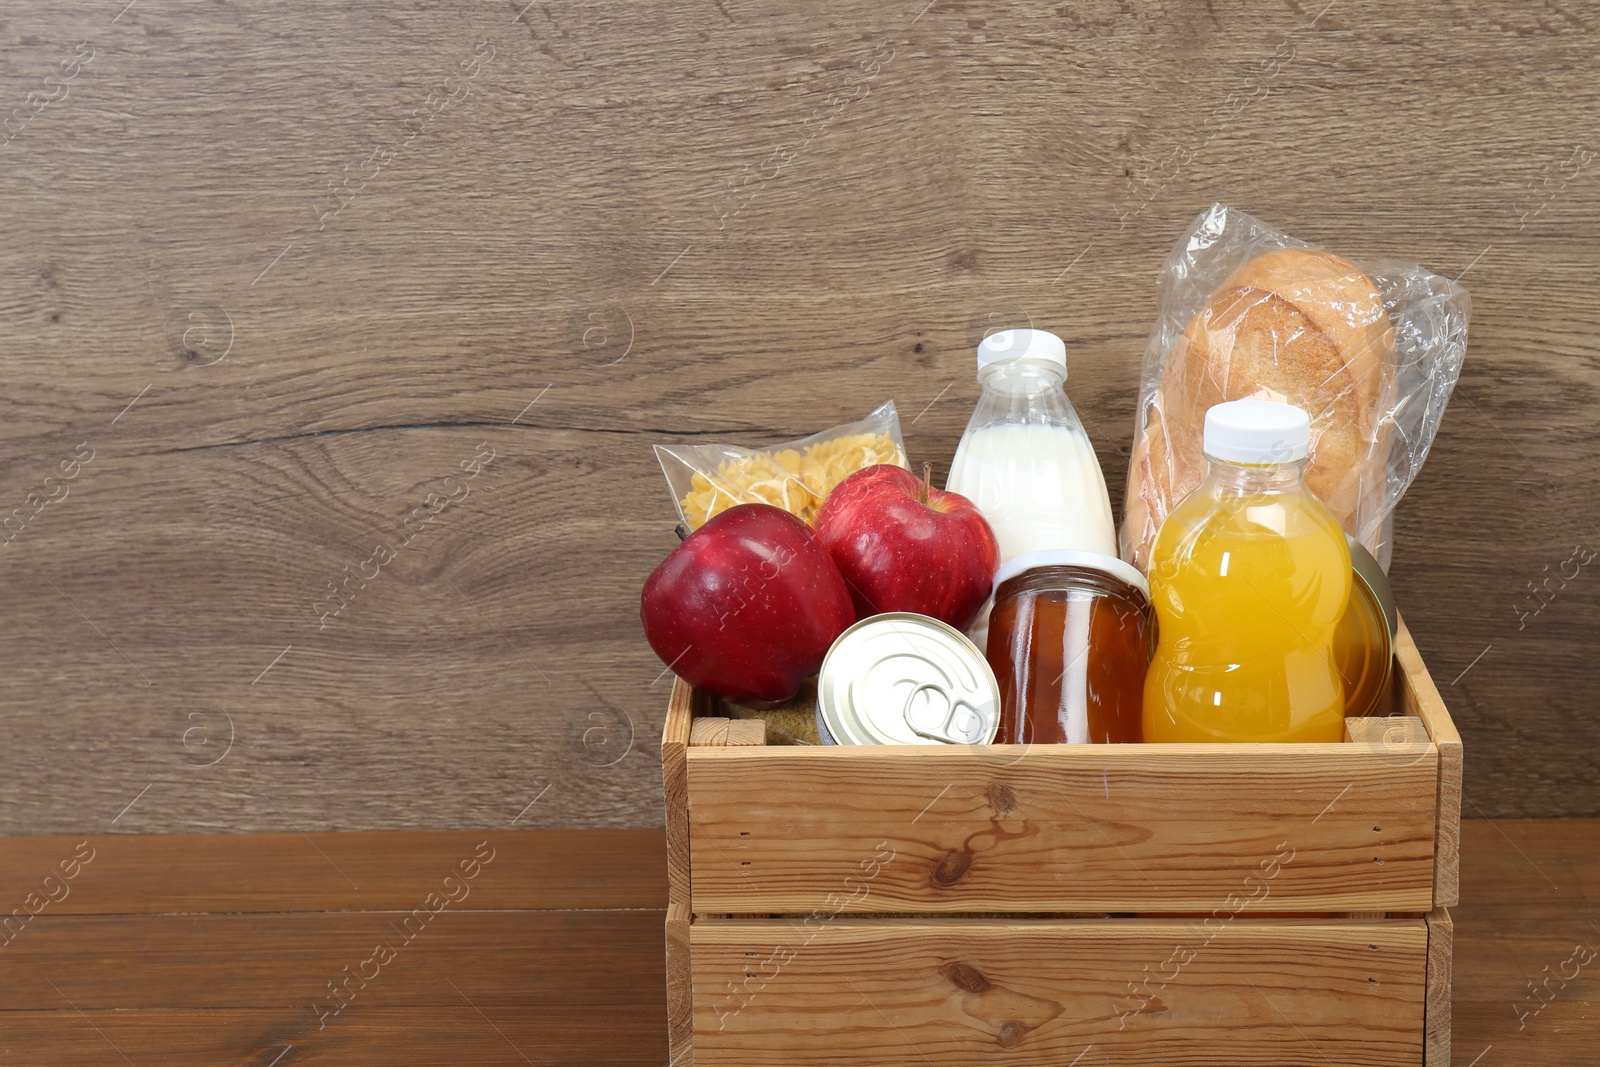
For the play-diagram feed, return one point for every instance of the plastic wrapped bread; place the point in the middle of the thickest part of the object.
(1246, 311)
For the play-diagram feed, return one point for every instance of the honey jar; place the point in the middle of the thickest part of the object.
(1069, 642)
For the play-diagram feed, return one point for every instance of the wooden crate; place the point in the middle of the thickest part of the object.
(1236, 905)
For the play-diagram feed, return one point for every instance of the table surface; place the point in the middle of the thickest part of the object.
(513, 947)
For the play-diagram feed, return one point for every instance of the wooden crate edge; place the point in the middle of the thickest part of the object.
(680, 987)
(1421, 698)
(675, 787)
(1436, 1008)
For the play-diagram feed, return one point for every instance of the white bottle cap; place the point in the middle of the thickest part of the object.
(1257, 431)
(1022, 344)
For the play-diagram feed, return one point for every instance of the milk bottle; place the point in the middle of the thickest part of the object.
(1025, 460)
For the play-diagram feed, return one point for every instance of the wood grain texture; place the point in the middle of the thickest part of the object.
(1529, 887)
(559, 1035)
(1441, 969)
(233, 948)
(714, 730)
(686, 222)
(284, 960)
(959, 991)
(680, 987)
(675, 786)
(1419, 698)
(1377, 732)
(391, 871)
(1158, 828)
(1530, 905)
(675, 783)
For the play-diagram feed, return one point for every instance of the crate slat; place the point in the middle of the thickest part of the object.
(1074, 828)
(913, 993)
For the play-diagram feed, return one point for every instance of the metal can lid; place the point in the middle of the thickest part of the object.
(906, 679)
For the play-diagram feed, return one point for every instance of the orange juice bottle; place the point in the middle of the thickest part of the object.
(1249, 576)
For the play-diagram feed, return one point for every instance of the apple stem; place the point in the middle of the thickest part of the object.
(682, 531)
(927, 483)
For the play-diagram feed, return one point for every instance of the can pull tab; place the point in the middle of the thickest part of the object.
(963, 722)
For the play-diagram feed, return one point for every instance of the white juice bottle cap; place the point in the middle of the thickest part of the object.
(1022, 344)
(1257, 432)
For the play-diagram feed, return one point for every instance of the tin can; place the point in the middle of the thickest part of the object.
(906, 679)
(1363, 645)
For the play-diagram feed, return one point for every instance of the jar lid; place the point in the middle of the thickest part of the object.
(1072, 557)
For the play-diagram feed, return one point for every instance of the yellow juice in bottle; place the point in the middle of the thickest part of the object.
(1249, 576)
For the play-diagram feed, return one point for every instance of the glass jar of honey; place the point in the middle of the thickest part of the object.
(1069, 642)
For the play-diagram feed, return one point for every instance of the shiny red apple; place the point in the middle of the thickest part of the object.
(747, 606)
(903, 545)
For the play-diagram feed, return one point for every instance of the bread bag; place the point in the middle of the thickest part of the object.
(1247, 311)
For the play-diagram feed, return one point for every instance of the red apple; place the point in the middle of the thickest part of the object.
(747, 606)
(904, 546)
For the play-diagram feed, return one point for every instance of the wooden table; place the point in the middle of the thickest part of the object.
(545, 947)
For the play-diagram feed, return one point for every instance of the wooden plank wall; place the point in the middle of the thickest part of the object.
(277, 277)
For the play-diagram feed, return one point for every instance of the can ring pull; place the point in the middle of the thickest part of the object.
(962, 723)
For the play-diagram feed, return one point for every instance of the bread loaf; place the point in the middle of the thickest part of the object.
(1301, 327)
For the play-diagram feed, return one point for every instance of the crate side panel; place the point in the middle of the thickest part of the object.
(1064, 828)
(1138, 993)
